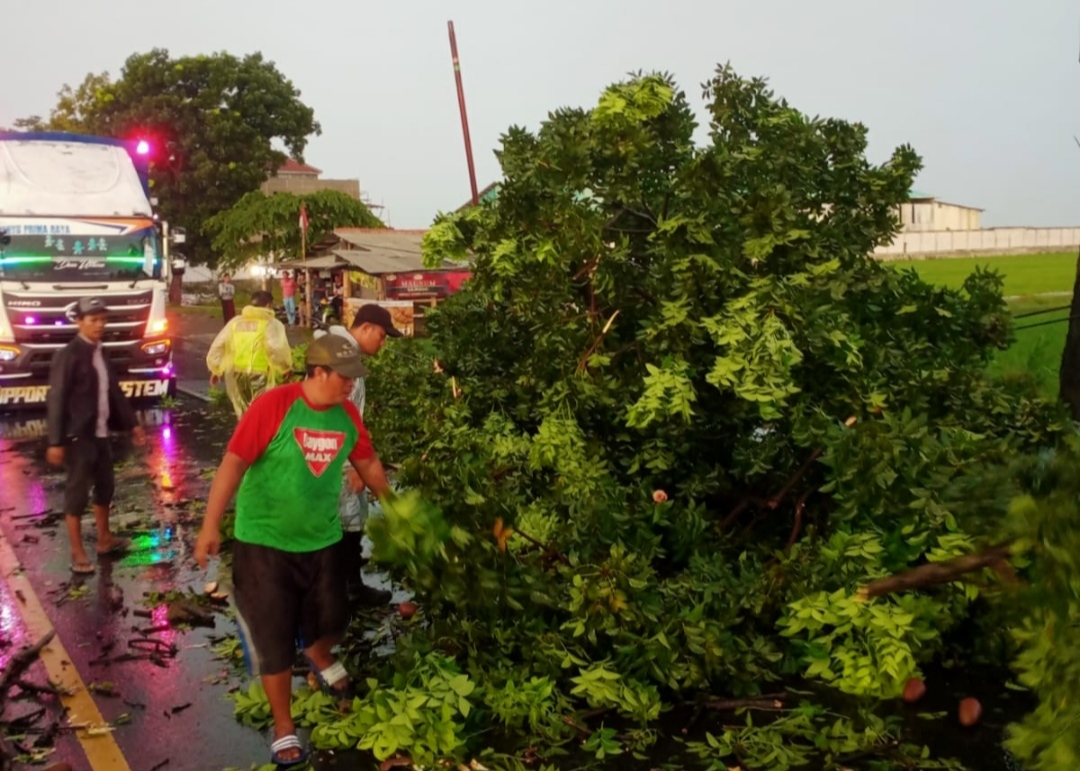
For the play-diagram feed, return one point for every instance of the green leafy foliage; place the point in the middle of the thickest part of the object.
(269, 225)
(424, 715)
(613, 418)
(812, 737)
(1042, 518)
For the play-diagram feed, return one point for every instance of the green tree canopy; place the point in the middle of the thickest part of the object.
(678, 417)
(74, 108)
(215, 123)
(268, 226)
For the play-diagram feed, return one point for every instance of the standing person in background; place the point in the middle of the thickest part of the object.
(252, 353)
(84, 402)
(288, 296)
(227, 291)
(371, 326)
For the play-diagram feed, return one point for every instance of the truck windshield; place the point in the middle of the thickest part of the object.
(74, 258)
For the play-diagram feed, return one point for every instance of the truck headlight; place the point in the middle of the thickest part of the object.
(8, 353)
(156, 349)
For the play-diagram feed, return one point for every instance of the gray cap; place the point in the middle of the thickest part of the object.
(336, 353)
(88, 306)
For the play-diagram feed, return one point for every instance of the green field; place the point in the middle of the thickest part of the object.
(1025, 274)
(1036, 282)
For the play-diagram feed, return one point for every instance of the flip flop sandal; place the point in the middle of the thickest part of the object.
(290, 742)
(83, 568)
(120, 546)
(330, 676)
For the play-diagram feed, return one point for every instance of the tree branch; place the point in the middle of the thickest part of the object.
(596, 344)
(777, 499)
(797, 527)
(19, 663)
(936, 572)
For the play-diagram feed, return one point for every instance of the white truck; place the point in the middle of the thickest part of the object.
(76, 219)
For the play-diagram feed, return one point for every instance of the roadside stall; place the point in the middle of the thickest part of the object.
(386, 267)
(322, 273)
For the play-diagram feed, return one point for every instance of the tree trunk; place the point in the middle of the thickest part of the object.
(1070, 358)
(176, 292)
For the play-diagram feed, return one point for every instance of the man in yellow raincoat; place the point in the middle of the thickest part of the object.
(252, 353)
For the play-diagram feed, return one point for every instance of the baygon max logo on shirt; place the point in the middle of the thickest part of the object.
(319, 447)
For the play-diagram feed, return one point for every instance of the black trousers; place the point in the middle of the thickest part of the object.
(90, 465)
(280, 593)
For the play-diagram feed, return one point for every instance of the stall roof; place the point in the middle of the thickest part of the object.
(379, 251)
(315, 263)
(378, 263)
(382, 239)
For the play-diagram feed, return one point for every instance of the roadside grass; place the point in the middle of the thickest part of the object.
(1037, 282)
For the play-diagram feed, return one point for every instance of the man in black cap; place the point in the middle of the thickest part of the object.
(84, 403)
(370, 327)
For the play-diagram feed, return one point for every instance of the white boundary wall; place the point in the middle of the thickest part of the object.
(961, 243)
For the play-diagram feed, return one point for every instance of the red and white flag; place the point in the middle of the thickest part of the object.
(303, 218)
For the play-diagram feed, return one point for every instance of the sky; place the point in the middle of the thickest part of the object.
(985, 90)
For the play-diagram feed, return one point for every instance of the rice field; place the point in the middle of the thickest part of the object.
(1033, 282)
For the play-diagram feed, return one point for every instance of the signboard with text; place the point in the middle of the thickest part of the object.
(425, 285)
(35, 395)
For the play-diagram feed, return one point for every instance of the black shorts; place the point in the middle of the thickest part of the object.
(282, 597)
(89, 464)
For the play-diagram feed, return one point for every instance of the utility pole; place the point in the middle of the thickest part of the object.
(464, 116)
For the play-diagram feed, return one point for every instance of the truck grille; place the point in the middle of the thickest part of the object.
(43, 323)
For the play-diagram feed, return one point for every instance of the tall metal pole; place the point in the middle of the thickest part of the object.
(464, 115)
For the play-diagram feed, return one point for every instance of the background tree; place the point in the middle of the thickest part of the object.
(269, 226)
(213, 121)
(74, 108)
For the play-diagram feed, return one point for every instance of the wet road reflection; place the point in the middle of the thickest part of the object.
(148, 667)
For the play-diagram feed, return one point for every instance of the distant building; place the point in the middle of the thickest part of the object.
(925, 213)
(301, 179)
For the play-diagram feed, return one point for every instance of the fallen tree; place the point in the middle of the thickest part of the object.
(710, 415)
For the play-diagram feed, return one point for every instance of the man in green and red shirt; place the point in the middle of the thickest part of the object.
(286, 458)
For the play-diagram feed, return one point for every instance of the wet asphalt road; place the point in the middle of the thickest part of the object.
(174, 708)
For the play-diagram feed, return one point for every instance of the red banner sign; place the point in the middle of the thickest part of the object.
(425, 285)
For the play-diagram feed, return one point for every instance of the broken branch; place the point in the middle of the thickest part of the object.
(758, 703)
(19, 663)
(936, 572)
(592, 348)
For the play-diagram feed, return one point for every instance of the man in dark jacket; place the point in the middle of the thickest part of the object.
(85, 402)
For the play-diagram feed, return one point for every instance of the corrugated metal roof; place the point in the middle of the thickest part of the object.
(404, 241)
(379, 251)
(315, 263)
(378, 263)
(919, 195)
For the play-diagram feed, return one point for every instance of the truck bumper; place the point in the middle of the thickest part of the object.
(31, 393)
